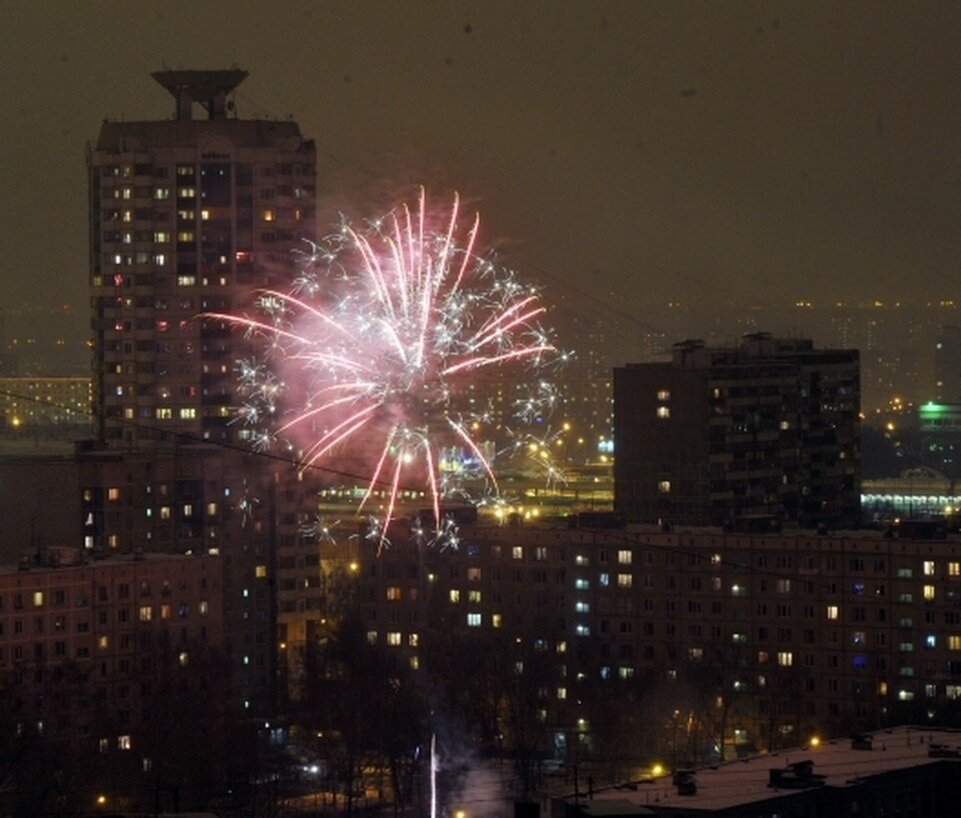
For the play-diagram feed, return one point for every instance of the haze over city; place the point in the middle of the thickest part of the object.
(727, 159)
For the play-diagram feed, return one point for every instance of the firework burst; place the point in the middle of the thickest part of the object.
(382, 351)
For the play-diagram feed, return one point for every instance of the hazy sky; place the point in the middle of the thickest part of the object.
(734, 152)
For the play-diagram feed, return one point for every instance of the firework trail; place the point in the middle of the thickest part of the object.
(388, 336)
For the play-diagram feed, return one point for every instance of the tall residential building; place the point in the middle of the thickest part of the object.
(187, 215)
(759, 434)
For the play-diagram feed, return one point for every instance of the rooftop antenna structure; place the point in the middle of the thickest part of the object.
(209, 89)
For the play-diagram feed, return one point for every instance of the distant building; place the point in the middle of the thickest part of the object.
(187, 216)
(45, 405)
(765, 433)
(940, 437)
(947, 365)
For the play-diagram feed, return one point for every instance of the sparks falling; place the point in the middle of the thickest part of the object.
(389, 335)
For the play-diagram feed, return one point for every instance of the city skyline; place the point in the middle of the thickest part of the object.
(624, 156)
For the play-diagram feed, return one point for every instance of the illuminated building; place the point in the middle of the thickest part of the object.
(194, 215)
(763, 433)
(75, 636)
(940, 428)
(187, 216)
(783, 636)
(41, 404)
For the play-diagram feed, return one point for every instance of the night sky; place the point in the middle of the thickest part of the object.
(624, 154)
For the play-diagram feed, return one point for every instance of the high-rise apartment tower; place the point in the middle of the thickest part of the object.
(187, 215)
(756, 435)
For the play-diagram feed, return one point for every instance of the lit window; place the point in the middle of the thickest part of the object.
(474, 596)
(394, 638)
(625, 556)
(928, 568)
(188, 413)
(161, 193)
(517, 552)
(695, 654)
(146, 613)
(625, 580)
(37, 599)
(161, 237)
(954, 642)
(582, 607)
(954, 569)
(663, 394)
(562, 693)
(832, 611)
(371, 637)
(928, 593)
(664, 486)
(393, 593)
(268, 215)
(785, 658)
(103, 642)
(413, 640)
(113, 494)
(474, 620)
(454, 595)
(123, 742)
(163, 413)
(496, 620)
(663, 412)
(183, 658)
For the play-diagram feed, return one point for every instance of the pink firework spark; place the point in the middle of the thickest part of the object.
(379, 346)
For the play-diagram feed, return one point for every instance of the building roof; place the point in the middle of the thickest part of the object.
(834, 764)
